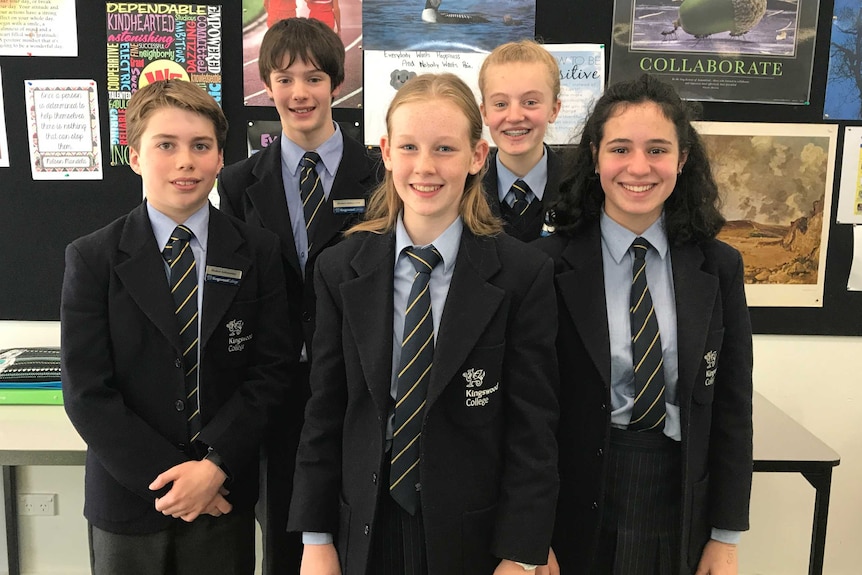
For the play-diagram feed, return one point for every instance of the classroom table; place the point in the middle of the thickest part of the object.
(43, 435)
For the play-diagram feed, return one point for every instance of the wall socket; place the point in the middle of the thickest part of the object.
(37, 504)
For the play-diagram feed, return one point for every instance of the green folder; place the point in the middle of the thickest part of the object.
(31, 397)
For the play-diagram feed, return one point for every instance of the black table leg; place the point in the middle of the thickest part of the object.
(822, 482)
(10, 496)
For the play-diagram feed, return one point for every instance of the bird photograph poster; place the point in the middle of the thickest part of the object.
(722, 50)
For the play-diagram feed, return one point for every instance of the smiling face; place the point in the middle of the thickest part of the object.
(518, 103)
(303, 97)
(429, 153)
(638, 160)
(178, 160)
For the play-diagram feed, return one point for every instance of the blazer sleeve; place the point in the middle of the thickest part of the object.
(730, 444)
(530, 482)
(317, 479)
(127, 446)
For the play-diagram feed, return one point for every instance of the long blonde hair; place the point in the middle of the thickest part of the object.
(384, 205)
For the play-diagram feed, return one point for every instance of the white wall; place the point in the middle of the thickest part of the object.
(814, 379)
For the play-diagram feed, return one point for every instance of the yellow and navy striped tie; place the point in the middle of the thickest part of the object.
(311, 192)
(648, 412)
(184, 289)
(417, 355)
(520, 189)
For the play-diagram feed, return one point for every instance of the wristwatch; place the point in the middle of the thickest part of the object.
(212, 455)
(526, 566)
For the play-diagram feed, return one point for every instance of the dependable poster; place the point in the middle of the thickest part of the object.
(723, 50)
(152, 42)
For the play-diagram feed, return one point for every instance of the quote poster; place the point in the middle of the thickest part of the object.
(63, 129)
(582, 81)
(152, 42)
(4, 146)
(38, 28)
(740, 51)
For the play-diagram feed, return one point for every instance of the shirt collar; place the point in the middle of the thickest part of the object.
(163, 226)
(535, 178)
(447, 243)
(330, 152)
(618, 239)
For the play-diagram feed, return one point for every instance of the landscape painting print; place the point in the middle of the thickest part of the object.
(775, 181)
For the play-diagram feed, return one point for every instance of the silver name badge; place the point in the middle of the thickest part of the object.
(350, 206)
(221, 275)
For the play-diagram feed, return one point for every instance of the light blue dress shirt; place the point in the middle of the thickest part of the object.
(537, 178)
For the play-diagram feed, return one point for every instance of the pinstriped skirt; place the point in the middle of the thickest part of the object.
(641, 524)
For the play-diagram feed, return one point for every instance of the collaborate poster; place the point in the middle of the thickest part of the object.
(152, 42)
(344, 16)
(724, 50)
(844, 83)
(775, 181)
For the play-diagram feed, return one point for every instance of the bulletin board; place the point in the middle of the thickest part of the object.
(39, 218)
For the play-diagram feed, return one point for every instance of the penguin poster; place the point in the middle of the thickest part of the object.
(446, 25)
(721, 50)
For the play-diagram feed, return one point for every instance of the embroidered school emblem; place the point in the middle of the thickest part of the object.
(474, 377)
(711, 357)
(234, 327)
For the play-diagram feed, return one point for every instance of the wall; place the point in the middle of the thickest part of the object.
(812, 378)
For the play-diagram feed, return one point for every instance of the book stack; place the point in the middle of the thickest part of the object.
(30, 375)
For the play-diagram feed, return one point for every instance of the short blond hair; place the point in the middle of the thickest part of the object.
(525, 52)
(172, 94)
(384, 205)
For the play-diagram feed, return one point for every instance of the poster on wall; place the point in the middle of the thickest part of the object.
(151, 42)
(38, 28)
(723, 50)
(4, 146)
(63, 129)
(775, 181)
(582, 81)
(343, 16)
(844, 82)
(850, 186)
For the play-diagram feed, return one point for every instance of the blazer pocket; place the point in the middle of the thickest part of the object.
(233, 340)
(474, 396)
(704, 383)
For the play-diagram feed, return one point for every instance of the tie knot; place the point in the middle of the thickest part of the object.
(179, 237)
(520, 190)
(424, 259)
(309, 160)
(640, 247)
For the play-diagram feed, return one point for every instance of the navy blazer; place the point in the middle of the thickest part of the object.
(253, 191)
(488, 469)
(123, 381)
(525, 231)
(714, 392)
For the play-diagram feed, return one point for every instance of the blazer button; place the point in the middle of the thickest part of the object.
(604, 407)
(599, 452)
(306, 316)
(374, 478)
(367, 529)
(179, 405)
(178, 363)
(594, 506)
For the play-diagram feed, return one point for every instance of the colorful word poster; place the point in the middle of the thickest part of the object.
(850, 187)
(582, 80)
(38, 28)
(4, 146)
(152, 42)
(844, 82)
(722, 50)
(63, 125)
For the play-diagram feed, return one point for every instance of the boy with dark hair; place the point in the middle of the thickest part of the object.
(174, 352)
(308, 187)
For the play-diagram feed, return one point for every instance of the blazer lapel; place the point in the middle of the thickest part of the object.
(490, 182)
(267, 195)
(470, 306)
(368, 310)
(552, 187)
(143, 274)
(582, 289)
(695, 292)
(224, 241)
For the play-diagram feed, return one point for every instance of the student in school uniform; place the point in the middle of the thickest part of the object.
(308, 187)
(520, 86)
(654, 347)
(174, 350)
(428, 445)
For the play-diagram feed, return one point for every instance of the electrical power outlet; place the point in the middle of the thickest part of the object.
(37, 504)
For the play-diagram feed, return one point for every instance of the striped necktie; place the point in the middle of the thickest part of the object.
(648, 413)
(184, 289)
(311, 192)
(520, 189)
(417, 354)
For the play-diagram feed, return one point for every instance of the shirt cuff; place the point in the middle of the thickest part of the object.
(726, 536)
(314, 538)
